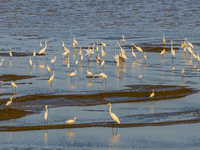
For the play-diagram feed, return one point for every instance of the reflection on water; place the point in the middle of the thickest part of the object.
(45, 138)
(114, 140)
(151, 107)
(10, 63)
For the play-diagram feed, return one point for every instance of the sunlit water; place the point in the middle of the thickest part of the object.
(25, 23)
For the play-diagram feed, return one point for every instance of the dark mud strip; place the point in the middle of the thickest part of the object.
(19, 54)
(14, 77)
(135, 93)
(95, 124)
(10, 113)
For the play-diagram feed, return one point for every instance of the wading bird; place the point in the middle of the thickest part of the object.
(163, 52)
(89, 73)
(71, 121)
(138, 48)
(2, 61)
(172, 50)
(113, 116)
(34, 54)
(10, 53)
(9, 102)
(133, 53)
(43, 50)
(164, 39)
(30, 62)
(152, 94)
(13, 85)
(48, 68)
(73, 74)
(51, 78)
(140, 78)
(46, 113)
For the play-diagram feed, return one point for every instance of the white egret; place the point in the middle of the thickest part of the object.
(164, 39)
(34, 54)
(30, 62)
(80, 52)
(182, 72)
(89, 73)
(145, 57)
(76, 63)
(51, 78)
(40, 43)
(10, 53)
(63, 44)
(71, 121)
(2, 61)
(43, 50)
(152, 94)
(46, 113)
(97, 48)
(104, 76)
(138, 48)
(133, 53)
(13, 84)
(65, 53)
(9, 102)
(98, 59)
(103, 44)
(74, 45)
(68, 64)
(172, 50)
(122, 50)
(66, 49)
(75, 41)
(48, 68)
(102, 63)
(140, 78)
(163, 52)
(123, 40)
(73, 74)
(113, 116)
(53, 60)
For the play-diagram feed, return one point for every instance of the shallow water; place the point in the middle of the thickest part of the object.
(25, 23)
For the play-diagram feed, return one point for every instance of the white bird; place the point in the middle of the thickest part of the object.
(89, 73)
(152, 94)
(80, 52)
(145, 57)
(104, 76)
(163, 52)
(63, 44)
(140, 77)
(34, 54)
(182, 72)
(2, 61)
(98, 59)
(46, 113)
(65, 53)
(71, 121)
(172, 50)
(40, 43)
(54, 59)
(13, 84)
(123, 40)
(75, 41)
(133, 53)
(97, 48)
(68, 64)
(122, 50)
(10, 53)
(113, 116)
(138, 48)
(66, 49)
(103, 53)
(73, 73)
(103, 44)
(164, 39)
(48, 68)
(9, 102)
(51, 78)
(30, 62)
(74, 44)
(102, 63)
(43, 50)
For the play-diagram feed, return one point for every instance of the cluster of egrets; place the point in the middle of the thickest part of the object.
(118, 58)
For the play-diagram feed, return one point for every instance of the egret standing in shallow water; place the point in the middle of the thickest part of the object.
(73, 74)
(164, 39)
(51, 78)
(10, 53)
(152, 94)
(34, 54)
(2, 61)
(138, 48)
(30, 62)
(140, 78)
(14, 85)
(9, 102)
(172, 50)
(113, 116)
(46, 113)
(43, 50)
(71, 121)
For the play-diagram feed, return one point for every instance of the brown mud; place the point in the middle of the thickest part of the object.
(14, 77)
(134, 93)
